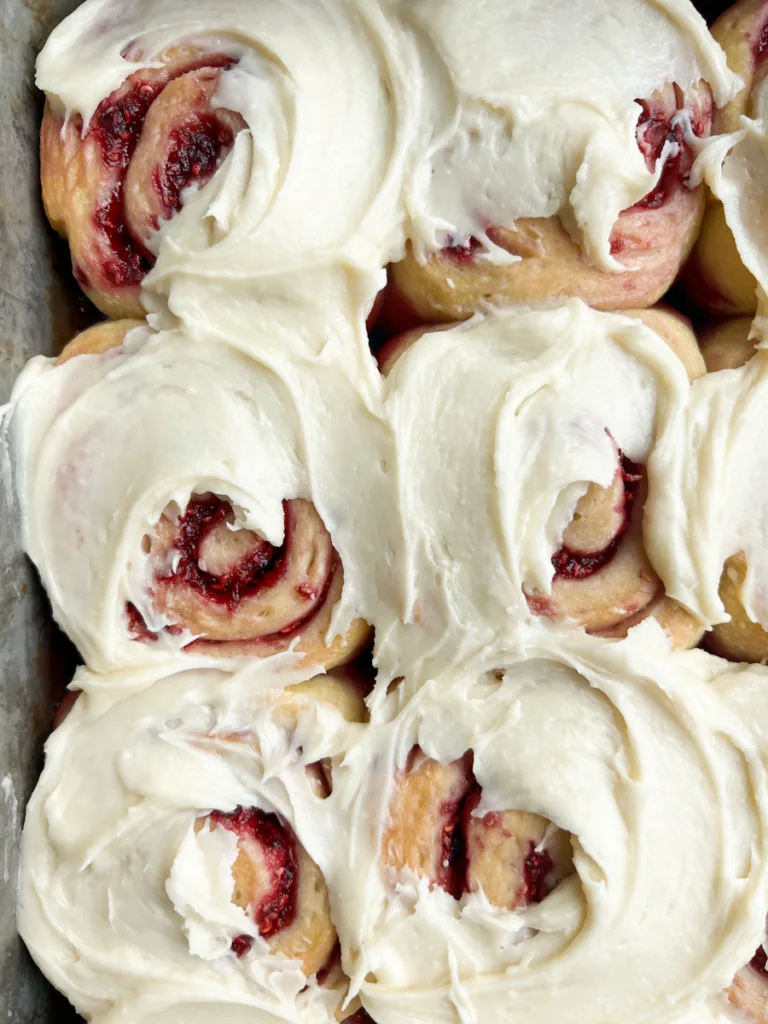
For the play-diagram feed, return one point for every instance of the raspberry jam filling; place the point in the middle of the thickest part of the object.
(463, 252)
(260, 567)
(760, 46)
(573, 565)
(115, 128)
(455, 817)
(196, 149)
(759, 962)
(227, 577)
(654, 131)
(277, 909)
(452, 874)
(537, 868)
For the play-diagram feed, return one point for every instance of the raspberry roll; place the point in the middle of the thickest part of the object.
(538, 532)
(202, 833)
(109, 186)
(185, 140)
(717, 278)
(516, 875)
(611, 218)
(192, 549)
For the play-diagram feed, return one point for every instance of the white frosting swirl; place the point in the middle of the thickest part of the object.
(105, 443)
(739, 182)
(659, 782)
(546, 96)
(543, 400)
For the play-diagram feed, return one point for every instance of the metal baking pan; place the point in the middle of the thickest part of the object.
(40, 309)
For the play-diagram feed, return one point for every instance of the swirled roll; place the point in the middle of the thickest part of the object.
(108, 188)
(185, 872)
(168, 504)
(219, 118)
(574, 834)
(519, 155)
(564, 166)
(536, 506)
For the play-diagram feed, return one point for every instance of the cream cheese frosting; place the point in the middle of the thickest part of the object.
(715, 505)
(545, 400)
(566, 137)
(117, 439)
(439, 546)
(647, 748)
(440, 110)
(658, 773)
(128, 909)
(446, 487)
(739, 182)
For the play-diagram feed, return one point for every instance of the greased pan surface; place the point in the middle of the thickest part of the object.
(36, 314)
(40, 308)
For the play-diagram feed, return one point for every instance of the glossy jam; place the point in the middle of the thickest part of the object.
(117, 123)
(654, 130)
(277, 909)
(463, 252)
(137, 627)
(453, 848)
(577, 566)
(116, 127)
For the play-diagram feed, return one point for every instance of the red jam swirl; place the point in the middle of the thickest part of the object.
(195, 151)
(116, 126)
(454, 864)
(260, 567)
(573, 565)
(654, 131)
(464, 251)
(277, 909)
